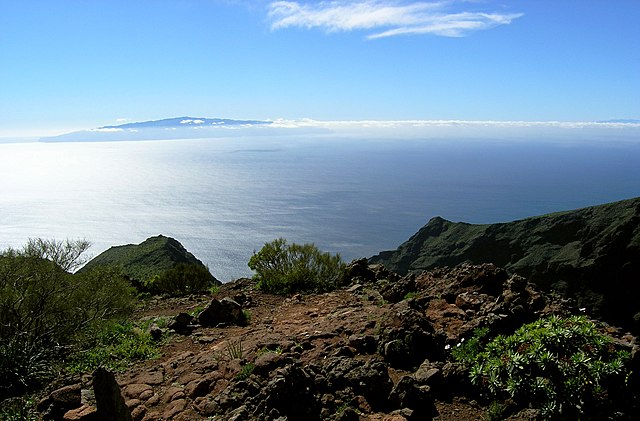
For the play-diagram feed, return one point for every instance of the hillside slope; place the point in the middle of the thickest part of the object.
(142, 261)
(591, 254)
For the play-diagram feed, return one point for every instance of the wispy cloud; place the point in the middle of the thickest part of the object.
(386, 18)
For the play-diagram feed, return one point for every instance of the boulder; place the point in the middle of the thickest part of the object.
(84, 413)
(408, 394)
(225, 311)
(181, 323)
(109, 401)
(58, 402)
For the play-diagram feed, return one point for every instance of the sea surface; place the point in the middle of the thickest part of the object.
(224, 198)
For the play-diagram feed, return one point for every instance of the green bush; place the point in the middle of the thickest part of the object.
(183, 279)
(283, 268)
(45, 310)
(563, 366)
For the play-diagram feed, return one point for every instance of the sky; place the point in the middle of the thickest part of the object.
(77, 64)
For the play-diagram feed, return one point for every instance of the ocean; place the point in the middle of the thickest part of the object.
(224, 198)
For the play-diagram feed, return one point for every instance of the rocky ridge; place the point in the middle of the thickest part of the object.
(378, 349)
(590, 254)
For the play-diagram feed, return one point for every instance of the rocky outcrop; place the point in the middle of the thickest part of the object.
(590, 254)
(378, 349)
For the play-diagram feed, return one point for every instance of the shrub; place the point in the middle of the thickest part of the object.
(45, 310)
(564, 366)
(283, 268)
(182, 279)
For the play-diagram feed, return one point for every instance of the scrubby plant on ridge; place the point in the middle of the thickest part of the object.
(564, 366)
(283, 268)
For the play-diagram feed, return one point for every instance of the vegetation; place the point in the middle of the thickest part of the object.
(159, 263)
(564, 366)
(283, 268)
(245, 371)
(115, 347)
(18, 409)
(467, 352)
(182, 279)
(46, 311)
(410, 295)
(235, 350)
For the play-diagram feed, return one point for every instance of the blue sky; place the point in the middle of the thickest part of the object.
(71, 64)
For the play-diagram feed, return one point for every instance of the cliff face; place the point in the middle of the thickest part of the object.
(590, 254)
(142, 261)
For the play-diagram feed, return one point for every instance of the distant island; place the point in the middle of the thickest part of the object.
(168, 128)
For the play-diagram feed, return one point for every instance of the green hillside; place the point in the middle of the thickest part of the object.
(143, 261)
(591, 254)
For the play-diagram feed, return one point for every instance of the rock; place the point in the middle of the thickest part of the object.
(174, 408)
(471, 300)
(239, 414)
(360, 271)
(348, 414)
(516, 283)
(268, 362)
(428, 374)
(181, 323)
(344, 351)
(292, 393)
(138, 412)
(363, 344)
(396, 291)
(454, 380)
(372, 381)
(408, 338)
(396, 353)
(109, 401)
(197, 388)
(172, 393)
(589, 254)
(408, 394)
(222, 311)
(84, 413)
(355, 288)
(60, 401)
(152, 377)
(137, 390)
(155, 331)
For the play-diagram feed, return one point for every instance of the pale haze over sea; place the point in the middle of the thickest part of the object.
(355, 194)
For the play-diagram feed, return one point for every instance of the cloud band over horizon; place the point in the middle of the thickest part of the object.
(385, 18)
